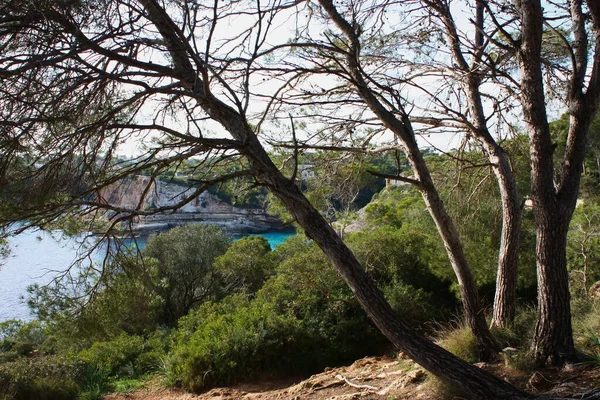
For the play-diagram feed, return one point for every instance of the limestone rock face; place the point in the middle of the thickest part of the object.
(140, 193)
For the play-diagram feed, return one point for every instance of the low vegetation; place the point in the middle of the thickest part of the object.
(200, 310)
(249, 312)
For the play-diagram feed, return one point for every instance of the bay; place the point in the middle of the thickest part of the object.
(38, 257)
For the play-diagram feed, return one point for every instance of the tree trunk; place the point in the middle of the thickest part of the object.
(508, 255)
(399, 123)
(505, 299)
(555, 201)
(553, 342)
(488, 347)
(553, 208)
(472, 380)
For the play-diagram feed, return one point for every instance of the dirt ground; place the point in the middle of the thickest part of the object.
(380, 378)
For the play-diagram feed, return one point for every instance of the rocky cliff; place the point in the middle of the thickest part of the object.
(141, 193)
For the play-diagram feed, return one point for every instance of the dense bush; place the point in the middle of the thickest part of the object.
(401, 212)
(410, 268)
(40, 378)
(228, 341)
(245, 265)
(303, 319)
(184, 276)
(18, 338)
(117, 357)
(307, 286)
(36, 374)
(247, 311)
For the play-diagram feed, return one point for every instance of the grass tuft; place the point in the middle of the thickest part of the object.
(459, 340)
(442, 389)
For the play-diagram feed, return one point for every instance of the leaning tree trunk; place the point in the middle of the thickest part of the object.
(477, 383)
(474, 315)
(399, 123)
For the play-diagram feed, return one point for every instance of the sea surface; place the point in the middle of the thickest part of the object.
(39, 256)
(274, 238)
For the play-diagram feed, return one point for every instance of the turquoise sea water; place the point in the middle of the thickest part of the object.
(274, 238)
(38, 257)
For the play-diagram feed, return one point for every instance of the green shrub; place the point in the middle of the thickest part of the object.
(183, 275)
(333, 326)
(89, 374)
(118, 357)
(227, 341)
(303, 319)
(93, 382)
(21, 337)
(414, 304)
(156, 349)
(245, 265)
(405, 263)
(40, 378)
(120, 362)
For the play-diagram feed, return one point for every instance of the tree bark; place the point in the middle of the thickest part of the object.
(401, 126)
(505, 299)
(553, 341)
(472, 380)
(555, 201)
(470, 79)
(554, 336)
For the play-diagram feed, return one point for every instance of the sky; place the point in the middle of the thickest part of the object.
(286, 26)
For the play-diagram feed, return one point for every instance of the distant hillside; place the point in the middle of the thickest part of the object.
(205, 208)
